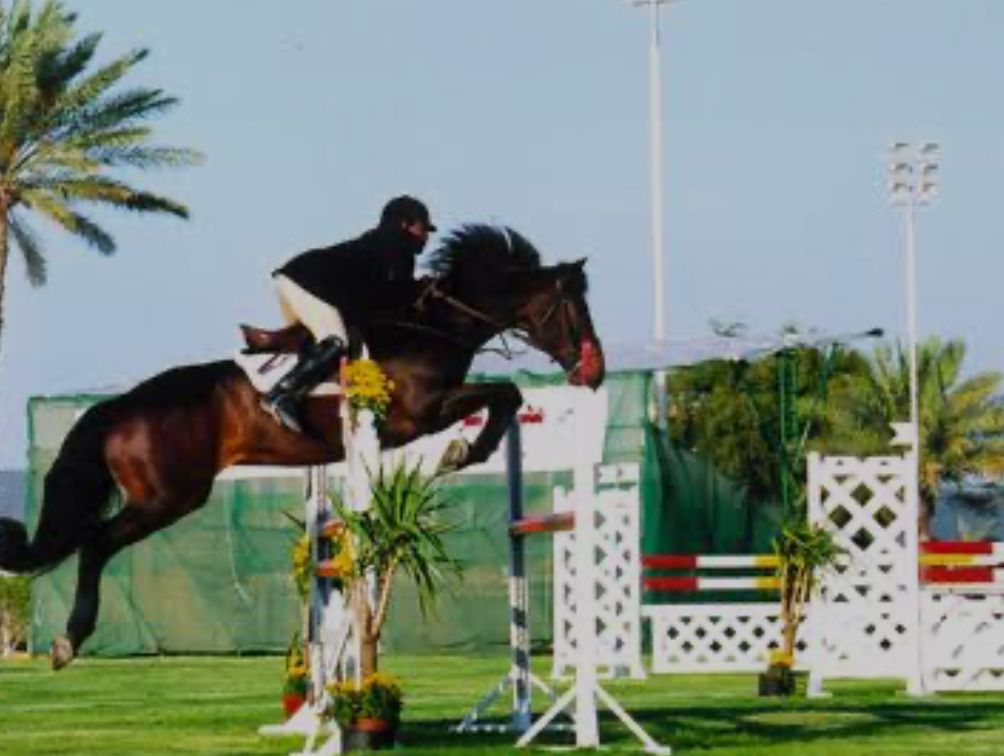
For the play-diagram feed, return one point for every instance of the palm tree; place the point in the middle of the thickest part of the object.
(401, 532)
(63, 131)
(961, 419)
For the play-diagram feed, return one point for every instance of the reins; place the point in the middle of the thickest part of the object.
(434, 292)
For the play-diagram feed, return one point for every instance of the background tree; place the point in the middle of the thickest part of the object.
(65, 127)
(961, 419)
(754, 420)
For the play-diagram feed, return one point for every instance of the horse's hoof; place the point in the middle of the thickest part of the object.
(62, 652)
(457, 455)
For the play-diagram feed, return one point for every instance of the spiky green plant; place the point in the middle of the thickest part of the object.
(401, 531)
(66, 126)
(802, 551)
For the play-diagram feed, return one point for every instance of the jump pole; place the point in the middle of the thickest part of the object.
(519, 592)
(519, 677)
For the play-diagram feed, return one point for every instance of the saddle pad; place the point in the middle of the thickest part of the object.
(264, 370)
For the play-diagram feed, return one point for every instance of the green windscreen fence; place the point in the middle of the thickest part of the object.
(218, 581)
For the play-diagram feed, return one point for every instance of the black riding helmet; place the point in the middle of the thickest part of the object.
(406, 209)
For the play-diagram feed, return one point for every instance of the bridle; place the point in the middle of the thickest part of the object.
(561, 305)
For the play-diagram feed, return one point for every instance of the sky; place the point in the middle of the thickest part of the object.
(534, 113)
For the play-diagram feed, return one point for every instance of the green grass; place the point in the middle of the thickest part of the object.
(194, 705)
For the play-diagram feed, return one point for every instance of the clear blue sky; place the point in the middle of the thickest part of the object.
(534, 113)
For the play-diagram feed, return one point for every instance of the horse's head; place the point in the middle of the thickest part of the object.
(555, 318)
(495, 282)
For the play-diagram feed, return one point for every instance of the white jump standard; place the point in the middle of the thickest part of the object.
(597, 579)
(596, 489)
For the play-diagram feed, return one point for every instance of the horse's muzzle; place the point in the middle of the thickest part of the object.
(590, 368)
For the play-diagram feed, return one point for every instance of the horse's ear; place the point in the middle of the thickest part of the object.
(580, 263)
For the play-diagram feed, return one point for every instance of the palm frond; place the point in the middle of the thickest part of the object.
(38, 162)
(117, 110)
(93, 234)
(106, 191)
(78, 101)
(70, 220)
(147, 157)
(31, 251)
(20, 94)
(60, 67)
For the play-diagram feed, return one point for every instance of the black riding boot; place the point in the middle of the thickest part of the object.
(283, 401)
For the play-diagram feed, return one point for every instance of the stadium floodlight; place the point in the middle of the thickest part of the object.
(913, 172)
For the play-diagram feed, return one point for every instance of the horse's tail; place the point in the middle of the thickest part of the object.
(77, 489)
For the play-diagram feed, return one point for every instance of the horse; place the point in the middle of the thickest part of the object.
(162, 443)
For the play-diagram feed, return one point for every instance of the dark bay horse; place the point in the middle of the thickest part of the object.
(162, 443)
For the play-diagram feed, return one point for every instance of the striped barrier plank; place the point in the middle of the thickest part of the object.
(553, 523)
(707, 561)
(962, 547)
(961, 560)
(328, 568)
(682, 583)
(967, 575)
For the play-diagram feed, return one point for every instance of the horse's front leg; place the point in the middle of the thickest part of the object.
(502, 401)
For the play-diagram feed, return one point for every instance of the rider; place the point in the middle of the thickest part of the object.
(352, 280)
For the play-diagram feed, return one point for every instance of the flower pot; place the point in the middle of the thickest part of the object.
(777, 681)
(369, 735)
(291, 703)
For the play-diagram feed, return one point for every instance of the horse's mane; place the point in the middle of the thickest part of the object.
(479, 252)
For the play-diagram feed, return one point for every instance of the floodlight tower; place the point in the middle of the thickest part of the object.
(659, 408)
(655, 167)
(912, 182)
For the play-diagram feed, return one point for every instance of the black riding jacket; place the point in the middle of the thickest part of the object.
(362, 277)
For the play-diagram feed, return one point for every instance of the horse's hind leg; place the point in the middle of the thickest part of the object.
(129, 525)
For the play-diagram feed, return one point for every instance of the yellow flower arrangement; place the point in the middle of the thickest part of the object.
(343, 554)
(301, 565)
(367, 387)
(339, 567)
(377, 697)
(297, 672)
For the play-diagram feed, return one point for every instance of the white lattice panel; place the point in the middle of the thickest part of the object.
(618, 579)
(963, 640)
(708, 638)
(864, 623)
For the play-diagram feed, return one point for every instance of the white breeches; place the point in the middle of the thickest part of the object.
(300, 306)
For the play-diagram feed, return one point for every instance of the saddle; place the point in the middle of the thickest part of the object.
(289, 340)
(268, 355)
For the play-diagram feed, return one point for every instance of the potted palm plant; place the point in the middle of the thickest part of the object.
(802, 551)
(400, 533)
